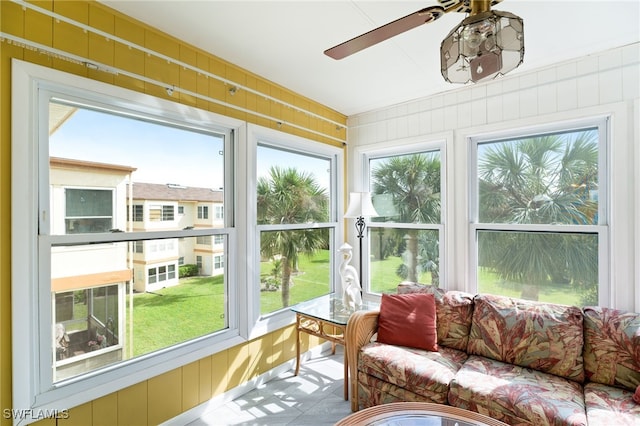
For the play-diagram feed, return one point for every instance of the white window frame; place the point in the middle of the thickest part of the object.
(258, 135)
(32, 382)
(408, 146)
(603, 124)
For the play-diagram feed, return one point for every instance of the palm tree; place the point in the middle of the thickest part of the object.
(541, 180)
(413, 181)
(288, 196)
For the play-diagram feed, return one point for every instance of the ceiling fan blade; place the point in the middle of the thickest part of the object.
(385, 32)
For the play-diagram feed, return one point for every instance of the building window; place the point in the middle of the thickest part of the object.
(203, 212)
(161, 213)
(153, 275)
(180, 209)
(219, 212)
(405, 238)
(218, 262)
(77, 274)
(168, 212)
(204, 240)
(297, 226)
(540, 213)
(88, 210)
(218, 239)
(138, 212)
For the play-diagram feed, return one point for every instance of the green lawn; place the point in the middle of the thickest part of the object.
(310, 282)
(384, 278)
(195, 307)
(176, 314)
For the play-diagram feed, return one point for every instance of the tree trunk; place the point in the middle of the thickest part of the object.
(412, 258)
(286, 277)
(530, 289)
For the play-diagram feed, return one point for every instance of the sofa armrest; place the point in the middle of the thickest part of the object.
(361, 327)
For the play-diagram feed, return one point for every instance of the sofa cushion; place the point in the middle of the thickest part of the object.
(422, 372)
(454, 310)
(373, 391)
(608, 405)
(542, 336)
(612, 347)
(408, 320)
(517, 395)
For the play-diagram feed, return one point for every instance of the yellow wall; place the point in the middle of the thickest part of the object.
(167, 395)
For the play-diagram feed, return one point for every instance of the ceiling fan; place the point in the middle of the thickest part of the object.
(484, 45)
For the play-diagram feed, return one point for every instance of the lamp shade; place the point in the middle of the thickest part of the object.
(360, 205)
(484, 46)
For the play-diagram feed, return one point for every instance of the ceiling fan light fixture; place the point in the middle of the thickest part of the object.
(485, 45)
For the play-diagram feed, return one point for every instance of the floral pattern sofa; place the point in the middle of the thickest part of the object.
(518, 361)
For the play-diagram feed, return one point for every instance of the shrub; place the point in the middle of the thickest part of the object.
(187, 271)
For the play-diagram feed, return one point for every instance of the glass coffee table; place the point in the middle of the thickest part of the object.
(326, 317)
(417, 414)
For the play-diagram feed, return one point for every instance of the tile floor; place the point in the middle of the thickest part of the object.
(314, 397)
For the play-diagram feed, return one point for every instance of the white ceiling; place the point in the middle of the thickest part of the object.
(283, 41)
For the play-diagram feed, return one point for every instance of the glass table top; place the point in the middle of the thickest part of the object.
(330, 308)
(419, 420)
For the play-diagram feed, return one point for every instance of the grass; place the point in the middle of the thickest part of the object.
(489, 282)
(195, 307)
(310, 282)
(384, 278)
(176, 314)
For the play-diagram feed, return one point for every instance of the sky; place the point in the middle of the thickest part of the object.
(163, 154)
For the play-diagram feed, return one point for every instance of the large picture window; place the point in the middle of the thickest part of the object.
(99, 278)
(540, 213)
(405, 237)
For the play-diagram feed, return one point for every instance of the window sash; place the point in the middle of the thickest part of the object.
(600, 229)
(415, 146)
(33, 373)
(260, 136)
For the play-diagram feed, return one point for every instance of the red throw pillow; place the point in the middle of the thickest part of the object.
(636, 395)
(408, 320)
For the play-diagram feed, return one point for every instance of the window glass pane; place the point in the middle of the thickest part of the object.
(549, 179)
(292, 188)
(140, 311)
(111, 172)
(406, 188)
(403, 255)
(125, 158)
(295, 267)
(550, 267)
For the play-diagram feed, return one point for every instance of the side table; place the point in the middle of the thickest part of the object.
(326, 317)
